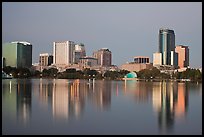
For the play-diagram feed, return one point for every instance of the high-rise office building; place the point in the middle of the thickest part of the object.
(183, 55)
(157, 59)
(166, 45)
(79, 52)
(45, 59)
(17, 54)
(63, 52)
(104, 57)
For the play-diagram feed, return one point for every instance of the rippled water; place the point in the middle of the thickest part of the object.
(59, 106)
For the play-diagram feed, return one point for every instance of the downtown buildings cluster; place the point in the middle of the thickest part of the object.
(68, 54)
(169, 57)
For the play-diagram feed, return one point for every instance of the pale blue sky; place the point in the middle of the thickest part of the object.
(127, 29)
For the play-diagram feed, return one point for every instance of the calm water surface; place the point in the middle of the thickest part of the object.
(48, 106)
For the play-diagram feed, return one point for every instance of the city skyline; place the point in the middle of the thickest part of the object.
(127, 29)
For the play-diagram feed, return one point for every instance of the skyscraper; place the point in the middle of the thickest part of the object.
(104, 57)
(167, 46)
(63, 53)
(17, 54)
(157, 59)
(79, 52)
(183, 55)
(45, 59)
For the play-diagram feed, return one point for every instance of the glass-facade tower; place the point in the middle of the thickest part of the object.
(17, 54)
(166, 46)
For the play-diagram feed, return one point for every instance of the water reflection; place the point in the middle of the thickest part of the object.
(77, 92)
(68, 97)
(65, 100)
(16, 100)
(101, 95)
(60, 99)
(24, 101)
(9, 100)
(170, 100)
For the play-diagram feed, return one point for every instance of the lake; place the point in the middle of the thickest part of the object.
(100, 107)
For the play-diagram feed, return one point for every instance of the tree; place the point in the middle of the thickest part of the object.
(111, 74)
(45, 73)
(155, 72)
(36, 73)
(7, 69)
(71, 70)
(52, 72)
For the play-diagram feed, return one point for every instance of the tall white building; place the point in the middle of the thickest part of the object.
(63, 53)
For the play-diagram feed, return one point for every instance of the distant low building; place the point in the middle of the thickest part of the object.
(87, 62)
(136, 66)
(140, 63)
(141, 59)
(131, 75)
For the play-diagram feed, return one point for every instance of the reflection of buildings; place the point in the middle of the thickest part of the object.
(182, 100)
(169, 100)
(77, 95)
(101, 95)
(68, 98)
(60, 99)
(45, 92)
(23, 100)
(140, 90)
(9, 100)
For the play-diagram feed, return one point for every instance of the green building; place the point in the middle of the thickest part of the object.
(17, 54)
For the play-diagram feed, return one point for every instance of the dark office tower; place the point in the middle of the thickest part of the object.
(167, 46)
(17, 54)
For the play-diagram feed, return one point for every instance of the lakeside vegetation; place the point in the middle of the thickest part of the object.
(147, 74)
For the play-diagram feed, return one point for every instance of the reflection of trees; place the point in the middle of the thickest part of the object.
(23, 100)
(170, 100)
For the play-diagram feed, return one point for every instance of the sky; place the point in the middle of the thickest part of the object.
(126, 29)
